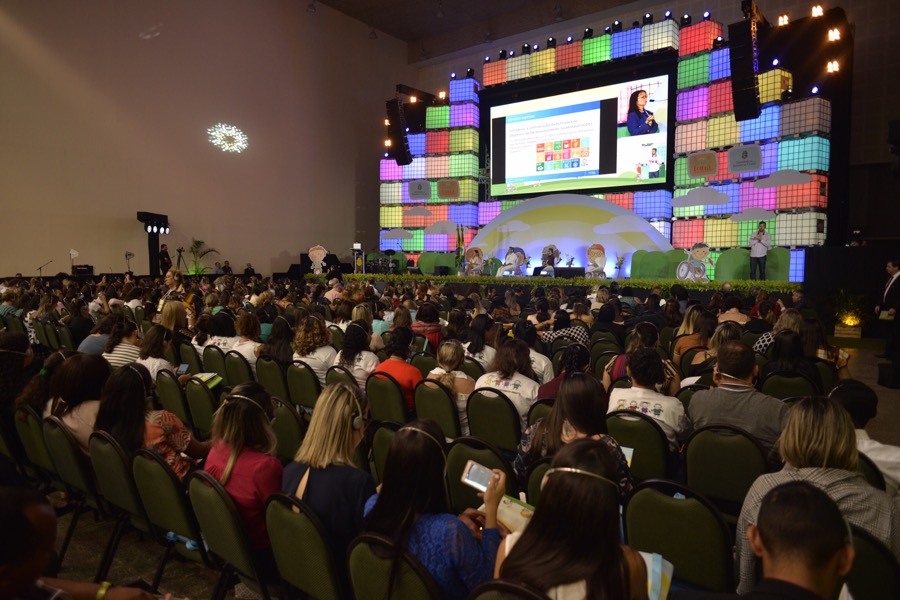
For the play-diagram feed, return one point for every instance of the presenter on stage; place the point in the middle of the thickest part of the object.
(640, 121)
(760, 242)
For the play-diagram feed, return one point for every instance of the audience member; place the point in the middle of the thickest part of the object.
(704, 360)
(563, 328)
(428, 324)
(705, 325)
(75, 394)
(575, 359)
(355, 355)
(511, 374)
(606, 321)
(789, 319)
(788, 359)
(732, 311)
(540, 364)
(248, 328)
(123, 345)
(279, 344)
(396, 366)
(644, 335)
(450, 358)
(816, 347)
(479, 338)
(312, 346)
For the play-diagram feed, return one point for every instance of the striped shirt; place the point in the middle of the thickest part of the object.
(123, 354)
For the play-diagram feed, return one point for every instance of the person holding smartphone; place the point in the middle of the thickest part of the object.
(760, 242)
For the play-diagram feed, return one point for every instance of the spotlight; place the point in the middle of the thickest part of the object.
(166, 231)
(706, 15)
(617, 26)
(149, 228)
(155, 229)
(668, 15)
(502, 55)
(787, 95)
(536, 47)
(783, 20)
(718, 42)
(774, 62)
(387, 122)
(453, 75)
(387, 143)
(635, 25)
(526, 48)
(386, 154)
(817, 10)
(648, 18)
(833, 66)
(685, 20)
(551, 42)
(413, 99)
(512, 53)
(487, 59)
(442, 95)
(834, 34)
(470, 73)
(607, 30)
(569, 39)
(815, 89)
(588, 33)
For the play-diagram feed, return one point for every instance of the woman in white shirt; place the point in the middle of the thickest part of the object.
(312, 346)
(511, 373)
(248, 328)
(354, 355)
(477, 337)
(75, 393)
(450, 357)
(153, 352)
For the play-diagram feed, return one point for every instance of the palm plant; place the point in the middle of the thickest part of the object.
(198, 252)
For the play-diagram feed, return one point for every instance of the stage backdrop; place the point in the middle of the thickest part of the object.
(572, 222)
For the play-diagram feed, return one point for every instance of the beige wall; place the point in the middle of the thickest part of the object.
(97, 123)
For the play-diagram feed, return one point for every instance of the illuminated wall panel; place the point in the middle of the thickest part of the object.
(487, 211)
(437, 142)
(390, 216)
(437, 117)
(764, 127)
(692, 104)
(810, 115)
(690, 137)
(405, 198)
(693, 71)
(543, 62)
(434, 197)
(416, 243)
(568, 56)
(722, 173)
(653, 205)
(439, 242)
(416, 169)
(508, 204)
(495, 72)
(625, 43)
(769, 161)
(801, 229)
(464, 140)
(413, 218)
(464, 90)
(711, 269)
(389, 244)
(686, 211)
(720, 97)
(753, 197)
(721, 233)
(772, 84)
(722, 130)
(664, 227)
(390, 193)
(389, 170)
(681, 174)
(468, 191)
(416, 143)
(812, 194)
(746, 229)
(464, 115)
(464, 214)
(687, 233)
(659, 36)
(625, 199)
(720, 64)
(798, 265)
(464, 165)
(594, 50)
(806, 154)
(698, 37)
(733, 191)
(437, 166)
(518, 67)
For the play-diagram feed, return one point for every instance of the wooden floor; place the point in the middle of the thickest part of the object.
(137, 559)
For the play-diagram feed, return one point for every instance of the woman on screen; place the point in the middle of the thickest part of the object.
(640, 121)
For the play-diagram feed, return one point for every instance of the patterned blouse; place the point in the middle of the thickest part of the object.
(166, 434)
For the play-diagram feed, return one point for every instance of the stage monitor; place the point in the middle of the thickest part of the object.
(544, 141)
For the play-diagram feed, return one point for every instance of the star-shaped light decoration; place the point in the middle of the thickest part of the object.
(228, 138)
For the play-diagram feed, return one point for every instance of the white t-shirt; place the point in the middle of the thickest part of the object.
(542, 366)
(319, 361)
(462, 400)
(247, 349)
(520, 389)
(667, 410)
(484, 358)
(155, 365)
(362, 367)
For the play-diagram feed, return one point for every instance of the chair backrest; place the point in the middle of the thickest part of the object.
(460, 452)
(687, 357)
(687, 530)
(303, 385)
(15, 324)
(115, 478)
(337, 337)
(66, 339)
(437, 402)
(371, 564)
(339, 374)
(420, 342)
(498, 589)
(827, 374)
(602, 345)
(214, 362)
(289, 430)
(171, 396)
(876, 572)
(750, 337)
(601, 361)
(38, 326)
(687, 392)
(494, 418)
(621, 382)
(52, 336)
(138, 313)
(556, 361)
(539, 410)
(31, 433)
(271, 376)
(202, 404)
(472, 368)
(70, 461)
(190, 356)
(605, 335)
(871, 472)
(424, 362)
(642, 433)
(381, 443)
(535, 477)
(165, 502)
(386, 399)
(238, 369)
(172, 354)
(303, 557)
(722, 463)
(220, 523)
(783, 384)
(560, 342)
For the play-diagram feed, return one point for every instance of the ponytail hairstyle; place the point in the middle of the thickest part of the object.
(478, 332)
(450, 358)
(37, 392)
(121, 330)
(243, 421)
(575, 359)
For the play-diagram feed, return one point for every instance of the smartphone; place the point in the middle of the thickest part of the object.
(182, 369)
(476, 475)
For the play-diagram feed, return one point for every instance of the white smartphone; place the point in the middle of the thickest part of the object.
(182, 369)
(476, 475)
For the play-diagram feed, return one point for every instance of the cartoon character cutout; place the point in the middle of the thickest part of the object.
(474, 261)
(596, 255)
(513, 263)
(549, 258)
(694, 268)
(317, 256)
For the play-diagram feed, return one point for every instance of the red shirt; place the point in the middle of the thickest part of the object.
(254, 478)
(405, 374)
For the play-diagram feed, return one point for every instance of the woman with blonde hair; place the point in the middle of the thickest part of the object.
(789, 319)
(450, 358)
(402, 318)
(687, 323)
(312, 346)
(323, 474)
(818, 445)
(364, 313)
(176, 318)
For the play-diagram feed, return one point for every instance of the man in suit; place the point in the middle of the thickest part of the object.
(889, 303)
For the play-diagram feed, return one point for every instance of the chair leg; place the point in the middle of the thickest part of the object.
(110, 551)
(80, 509)
(154, 587)
(222, 583)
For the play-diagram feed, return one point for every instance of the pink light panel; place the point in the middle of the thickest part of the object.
(687, 233)
(692, 104)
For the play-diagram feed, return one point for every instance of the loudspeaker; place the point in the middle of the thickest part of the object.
(743, 71)
(399, 149)
(442, 270)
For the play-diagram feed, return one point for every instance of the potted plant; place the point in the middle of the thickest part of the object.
(849, 309)
(198, 252)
